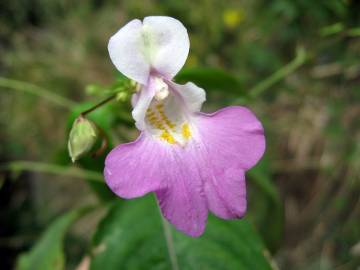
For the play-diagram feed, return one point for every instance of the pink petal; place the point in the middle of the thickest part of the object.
(234, 142)
(147, 165)
(207, 173)
(183, 202)
(235, 133)
(134, 169)
(226, 192)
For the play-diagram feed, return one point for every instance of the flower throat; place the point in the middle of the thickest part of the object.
(170, 131)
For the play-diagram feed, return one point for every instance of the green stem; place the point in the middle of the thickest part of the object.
(98, 105)
(354, 32)
(37, 91)
(169, 242)
(283, 72)
(52, 169)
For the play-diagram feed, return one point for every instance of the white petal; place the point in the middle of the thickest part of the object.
(192, 95)
(160, 44)
(126, 52)
(142, 104)
(169, 44)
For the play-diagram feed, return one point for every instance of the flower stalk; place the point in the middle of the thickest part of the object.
(280, 74)
(100, 104)
(169, 241)
(37, 91)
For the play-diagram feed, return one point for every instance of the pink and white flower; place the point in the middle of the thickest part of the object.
(194, 162)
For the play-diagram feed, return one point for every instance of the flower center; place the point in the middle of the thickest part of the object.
(166, 122)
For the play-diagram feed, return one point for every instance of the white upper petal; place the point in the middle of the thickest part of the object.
(159, 44)
(192, 95)
(125, 52)
(171, 44)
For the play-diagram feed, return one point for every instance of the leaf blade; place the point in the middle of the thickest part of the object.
(131, 237)
(48, 251)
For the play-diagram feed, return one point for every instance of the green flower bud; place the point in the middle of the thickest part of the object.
(82, 137)
(122, 96)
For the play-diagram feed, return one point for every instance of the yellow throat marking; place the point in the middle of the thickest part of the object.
(158, 119)
(166, 136)
(185, 131)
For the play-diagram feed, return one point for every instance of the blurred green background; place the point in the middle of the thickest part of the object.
(295, 63)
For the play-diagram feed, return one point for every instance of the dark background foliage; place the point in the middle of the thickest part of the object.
(303, 197)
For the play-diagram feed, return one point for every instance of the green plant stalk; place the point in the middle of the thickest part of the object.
(169, 241)
(41, 167)
(98, 105)
(280, 74)
(332, 29)
(37, 91)
(354, 32)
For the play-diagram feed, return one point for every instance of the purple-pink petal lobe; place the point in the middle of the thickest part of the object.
(183, 202)
(134, 169)
(235, 133)
(234, 142)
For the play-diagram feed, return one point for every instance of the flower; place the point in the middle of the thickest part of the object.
(194, 162)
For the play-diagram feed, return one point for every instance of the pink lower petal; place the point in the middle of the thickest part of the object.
(235, 133)
(183, 203)
(234, 141)
(226, 193)
(134, 169)
(147, 165)
(207, 173)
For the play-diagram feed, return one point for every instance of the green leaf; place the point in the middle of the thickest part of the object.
(131, 237)
(48, 251)
(211, 79)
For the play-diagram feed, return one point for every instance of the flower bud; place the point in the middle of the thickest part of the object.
(122, 96)
(82, 137)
